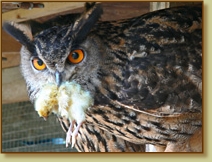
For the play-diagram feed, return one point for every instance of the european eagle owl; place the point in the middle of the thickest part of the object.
(118, 85)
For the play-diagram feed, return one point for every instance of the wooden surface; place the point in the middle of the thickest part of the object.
(20, 15)
(13, 86)
(10, 59)
(10, 51)
(159, 5)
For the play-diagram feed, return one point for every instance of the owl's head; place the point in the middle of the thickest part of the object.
(60, 53)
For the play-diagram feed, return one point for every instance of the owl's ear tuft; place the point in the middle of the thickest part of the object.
(87, 20)
(21, 32)
(89, 5)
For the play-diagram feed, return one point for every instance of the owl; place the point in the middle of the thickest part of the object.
(119, 85)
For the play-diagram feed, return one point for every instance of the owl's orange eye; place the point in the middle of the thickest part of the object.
(76, 56)
(38, 64)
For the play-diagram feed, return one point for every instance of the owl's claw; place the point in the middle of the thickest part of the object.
(72, 134)
(68, 137)
(75, 133)
(73, 141)
(69, 134)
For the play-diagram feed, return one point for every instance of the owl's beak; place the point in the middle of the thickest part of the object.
(58, 78)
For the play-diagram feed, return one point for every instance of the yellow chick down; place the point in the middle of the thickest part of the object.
(67, 100)
(47, 101)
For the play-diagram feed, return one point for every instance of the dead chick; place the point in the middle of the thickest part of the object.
(69, 101)
(47, 102)
(73, 102)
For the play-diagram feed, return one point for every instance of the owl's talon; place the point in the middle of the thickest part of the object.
(73, 141)
(68, 138)
(75, 133)
(69, 134)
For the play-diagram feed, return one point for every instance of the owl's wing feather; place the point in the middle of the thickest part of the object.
(152, 90)
(169, 59)
(141, 127)
(162, 70)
